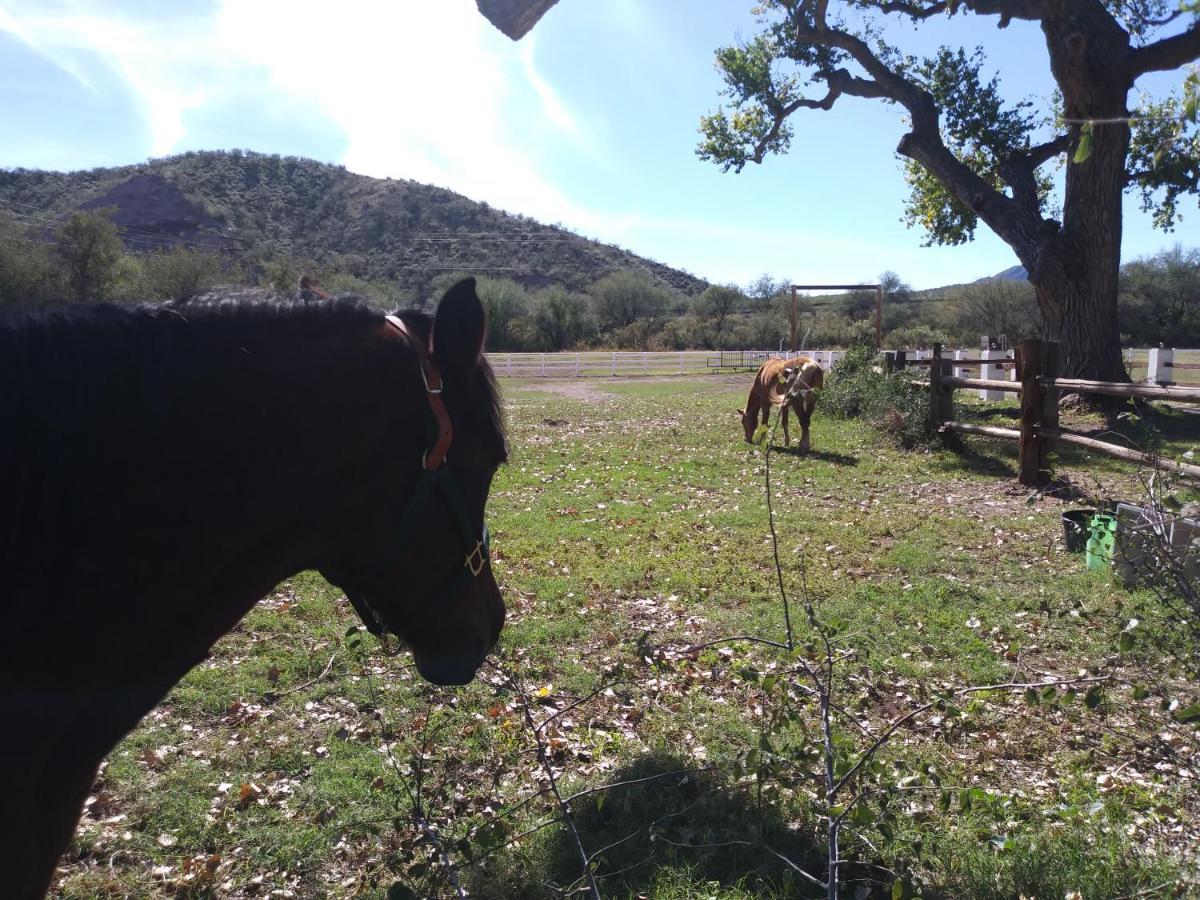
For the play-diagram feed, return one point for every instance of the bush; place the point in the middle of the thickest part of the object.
(857, 388)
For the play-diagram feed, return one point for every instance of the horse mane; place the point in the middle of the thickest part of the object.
(45, 355)
(73, 379)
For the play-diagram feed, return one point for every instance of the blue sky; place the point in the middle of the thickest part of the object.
(590, 121)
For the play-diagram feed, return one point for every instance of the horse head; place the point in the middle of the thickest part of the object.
(749, 423)
(424, 571)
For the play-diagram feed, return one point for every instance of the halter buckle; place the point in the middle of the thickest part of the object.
(437, 378)
(475, 559)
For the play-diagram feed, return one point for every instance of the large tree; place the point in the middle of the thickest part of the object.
(972, 156)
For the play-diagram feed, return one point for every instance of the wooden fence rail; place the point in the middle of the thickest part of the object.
(1039, 389)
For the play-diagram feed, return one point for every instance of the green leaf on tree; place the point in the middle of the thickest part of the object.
(1084, 148)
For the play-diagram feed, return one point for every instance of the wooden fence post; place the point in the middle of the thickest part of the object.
(1034, 469)
(1050, 395)
(941, 400)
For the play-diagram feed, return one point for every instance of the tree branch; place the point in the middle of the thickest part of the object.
(1015, 219)
(839, 82)
(1045, 152)
(1032, 10)
(1019, 169)
(913, 10)
(1169, 53)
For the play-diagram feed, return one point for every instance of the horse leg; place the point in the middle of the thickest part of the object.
(39, 815)
(787, 440)
(766, 415)
(804, 412)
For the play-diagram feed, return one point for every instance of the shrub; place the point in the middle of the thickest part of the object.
(858, 388)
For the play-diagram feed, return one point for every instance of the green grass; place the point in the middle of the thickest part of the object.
(625, 528)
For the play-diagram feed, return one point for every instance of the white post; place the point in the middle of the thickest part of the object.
(960, 371)
(989, 373)
(645, 370)
(614, 364)
(543, 360)
(576, 365)
(680, 362)
(1159, 368)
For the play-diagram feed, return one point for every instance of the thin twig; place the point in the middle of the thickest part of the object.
(328, 668)
(925, 707)
(795, 868)
(548, 768)
(582, 700)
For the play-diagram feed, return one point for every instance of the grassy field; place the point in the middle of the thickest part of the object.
(630, 528)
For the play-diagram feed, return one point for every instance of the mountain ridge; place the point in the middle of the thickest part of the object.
(263, 206)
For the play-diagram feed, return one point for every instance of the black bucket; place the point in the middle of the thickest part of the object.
(1075, 528)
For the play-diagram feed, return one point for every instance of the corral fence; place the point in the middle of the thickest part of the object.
(633, 363)
(1035, 366)
(1155, 366)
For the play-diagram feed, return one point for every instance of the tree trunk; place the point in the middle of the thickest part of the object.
(1076, 269)
(1083, 319)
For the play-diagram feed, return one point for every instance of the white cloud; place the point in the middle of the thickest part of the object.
(157, 65)
(427, 91)
(552, 106)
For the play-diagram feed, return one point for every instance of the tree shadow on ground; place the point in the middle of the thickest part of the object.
(1158, 422)
(968, 413)
(666, 815)
(828, 456)
(969, 458)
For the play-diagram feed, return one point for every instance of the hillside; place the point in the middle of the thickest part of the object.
(258, 207)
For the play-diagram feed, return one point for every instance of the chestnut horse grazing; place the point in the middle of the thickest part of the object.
(165, 467)
(768, 390)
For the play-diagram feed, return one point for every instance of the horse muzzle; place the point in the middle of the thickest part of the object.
(448, 670)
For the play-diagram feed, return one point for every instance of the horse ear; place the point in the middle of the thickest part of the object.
(459, 328)
(741, 412)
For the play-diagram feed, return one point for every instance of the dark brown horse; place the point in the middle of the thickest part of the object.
(165, 467)
(770, 389)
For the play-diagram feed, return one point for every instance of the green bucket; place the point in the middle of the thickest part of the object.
(1102, 538)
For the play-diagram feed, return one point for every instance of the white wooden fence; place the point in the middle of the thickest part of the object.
(1153, 366)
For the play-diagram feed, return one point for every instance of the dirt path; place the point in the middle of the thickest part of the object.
(576, 390)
